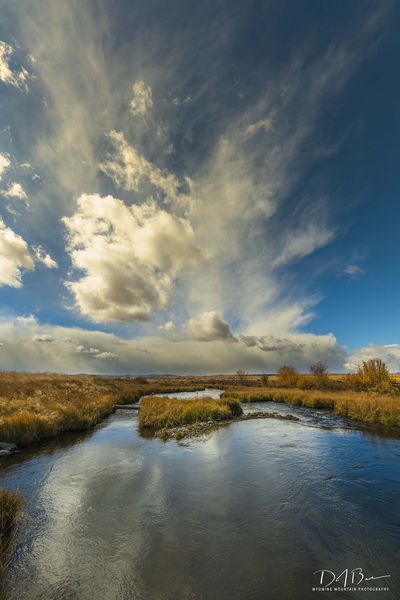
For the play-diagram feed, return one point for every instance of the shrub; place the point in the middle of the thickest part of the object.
(319, 368)
(319, 373)
(305, 382)
(373, 375)
(140, 380)
(241, 377)
(287, 376)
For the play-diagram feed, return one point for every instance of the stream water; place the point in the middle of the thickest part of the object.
(248, 513)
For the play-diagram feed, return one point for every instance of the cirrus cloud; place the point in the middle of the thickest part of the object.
(142, 100)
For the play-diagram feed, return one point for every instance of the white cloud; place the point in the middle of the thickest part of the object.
(43, 337)
(130, 257)
(87, 351)
(353, 271)
(142, 100)
(130, 170)
(389, 353)
(238, 205)
(14, 257)
(208, 327)
(7, 75)
(262, 124)
(300, 243)
(110, 356)
(15, 190)
(298, 348)
(4, 164)
(79, 350)
(45, 258)
(168, 327)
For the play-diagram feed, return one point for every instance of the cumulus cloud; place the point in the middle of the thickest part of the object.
(300, 349)
(7, 75)
(15, 190)
(14, 257)
(130, 257)
(389, 353)
(4, 164)
(208, 327)
(142, 100)
(353, 271)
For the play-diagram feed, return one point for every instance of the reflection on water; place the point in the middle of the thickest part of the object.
(249, 513)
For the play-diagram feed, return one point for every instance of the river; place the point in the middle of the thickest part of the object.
(248, 513)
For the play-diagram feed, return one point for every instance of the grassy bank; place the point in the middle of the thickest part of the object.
(159, 413)
(10, 505)
(34, 407)
(367, 407)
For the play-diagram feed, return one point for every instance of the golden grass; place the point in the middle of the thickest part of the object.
(34, 407)
(157, 413)
(38, 406)
(368, 407)
(10, 505)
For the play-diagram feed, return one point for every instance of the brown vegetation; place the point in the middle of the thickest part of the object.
(158, 413)
(10, 505)
(287, 376)
(371, 408)
(33, 407)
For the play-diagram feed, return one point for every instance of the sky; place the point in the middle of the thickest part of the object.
(198, 187)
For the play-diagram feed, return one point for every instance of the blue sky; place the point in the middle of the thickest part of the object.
(198, 187)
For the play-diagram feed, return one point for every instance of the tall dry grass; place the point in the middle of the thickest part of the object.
(10, 505)
(368, 407)
(34, 407)
(157, 413)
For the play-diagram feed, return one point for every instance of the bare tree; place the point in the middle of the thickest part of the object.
(241, 377)
(319, 368)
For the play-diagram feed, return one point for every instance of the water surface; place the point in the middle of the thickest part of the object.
(248, 513)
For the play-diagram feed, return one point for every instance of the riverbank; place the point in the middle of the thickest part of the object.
(202, 428)
(367, 407)
(35, 407)
(38, 406)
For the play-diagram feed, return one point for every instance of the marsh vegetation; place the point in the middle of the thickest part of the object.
(10, 506)
(162, 413)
